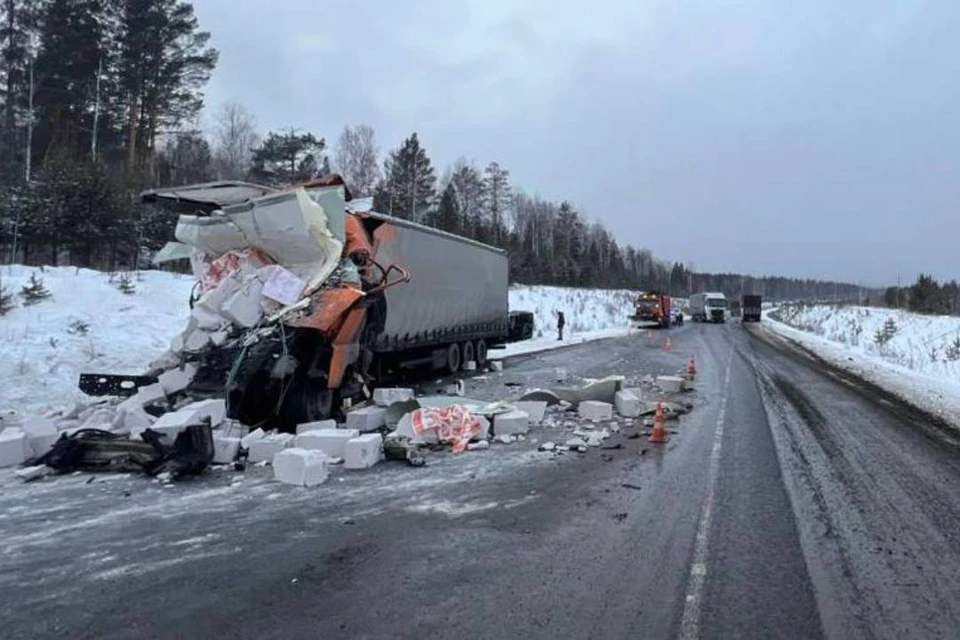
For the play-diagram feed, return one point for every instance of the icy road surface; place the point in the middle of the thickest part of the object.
(792, 502)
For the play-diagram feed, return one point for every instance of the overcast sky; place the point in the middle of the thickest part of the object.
(812, 138)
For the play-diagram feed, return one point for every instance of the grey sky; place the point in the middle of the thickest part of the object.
(815, 138)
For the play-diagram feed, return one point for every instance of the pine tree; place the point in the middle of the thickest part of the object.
(6, 300)
(468, 187)
(289, 157)
(126, 285)
(18, 24)
(496, 200)
(448, 215)
(34, 291)
(408, 189)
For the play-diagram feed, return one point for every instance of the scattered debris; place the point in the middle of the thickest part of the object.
(363, 451)
(670, 384)
(301, 467)
(14, 447)
(627, 485)
(511, 423)
(314, 426)
(265, 448)
(332, 442)
(540, 395)
(547, 446)
(367, 419)
(504, 439)
(478, 446)
(386, 396)
(496, 365)
(611, 447)
(595, 410)
(534, 409)
(627, 403)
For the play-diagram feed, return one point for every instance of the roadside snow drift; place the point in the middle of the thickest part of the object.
(916, 357)
(86, 325)
(89, 325)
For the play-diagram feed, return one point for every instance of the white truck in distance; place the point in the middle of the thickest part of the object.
(709, 307)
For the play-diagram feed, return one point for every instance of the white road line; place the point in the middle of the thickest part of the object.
(690, 623)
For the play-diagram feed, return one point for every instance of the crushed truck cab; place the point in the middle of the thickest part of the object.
(307, 297)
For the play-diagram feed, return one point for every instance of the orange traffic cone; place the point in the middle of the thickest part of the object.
(659, 435)
(692, 368)
(668, 347)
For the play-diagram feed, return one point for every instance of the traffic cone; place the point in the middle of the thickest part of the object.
(668, 347)
(659, 435)
(692, 368)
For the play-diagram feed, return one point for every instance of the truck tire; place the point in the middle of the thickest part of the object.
(467, 351)
(481, 352)
(453, 358)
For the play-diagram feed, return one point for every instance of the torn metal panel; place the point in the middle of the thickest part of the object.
(205, 197)
(173, 251)
(214, 235)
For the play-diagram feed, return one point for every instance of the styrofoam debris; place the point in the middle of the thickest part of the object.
(386, 396)
(478, 446)
(332, 442)
(534, 409)
(627, 403)
(301, 467)
(176, 380)
(149, 394)
(576, 442)
(41, 434)
(14, 447)
(243, 307)
(363, 451)
(264, 449)
(313, 426)
(366, 419)
(251, 437)
(547, 446)
(510, 423)
(33, 473)
(670, 384)
(594, 410)
(504, 439)
(496, 365)
(225, 448)
(594, 440)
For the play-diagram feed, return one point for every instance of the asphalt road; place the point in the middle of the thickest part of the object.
(791, 503)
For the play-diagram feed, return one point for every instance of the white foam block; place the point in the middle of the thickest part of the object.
(251, 437)
(594, 410)
(363, 451)
(301, 467)
(14, 447)
(264, 449)
(225, 448)
(243, 307)
(41, 434)
(367, 419)
(627, 403)
(332, 442)
(148, 394)
(176, 380)
(313, 426)
(534, 409)
(670, 384)
(511, 423)
(384, 397)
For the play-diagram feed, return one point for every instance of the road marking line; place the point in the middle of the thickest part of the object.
(690, 623)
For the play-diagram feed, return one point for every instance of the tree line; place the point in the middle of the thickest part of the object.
(926, 295)
(101, 99)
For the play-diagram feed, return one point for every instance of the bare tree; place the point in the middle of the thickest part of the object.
(235, 138)
(355, 157)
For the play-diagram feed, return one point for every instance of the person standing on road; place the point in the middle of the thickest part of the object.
(560, 324)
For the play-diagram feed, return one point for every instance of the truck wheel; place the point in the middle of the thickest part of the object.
(453, 358)
(468, 352)
(481, 352)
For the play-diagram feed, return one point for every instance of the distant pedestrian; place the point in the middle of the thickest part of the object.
(560, 324)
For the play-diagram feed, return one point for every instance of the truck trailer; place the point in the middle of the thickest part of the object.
(751, 308)
(399, 295)
(709, 307)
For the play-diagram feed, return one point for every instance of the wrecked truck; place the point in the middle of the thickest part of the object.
(306, 298)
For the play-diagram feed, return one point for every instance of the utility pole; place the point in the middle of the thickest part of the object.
(96, 111)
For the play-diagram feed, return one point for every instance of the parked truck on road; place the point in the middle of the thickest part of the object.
(751, 308)
(388, 295)
(709, 307)
(652, 310)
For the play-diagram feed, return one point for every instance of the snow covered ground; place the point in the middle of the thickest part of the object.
(914, 356)
(44, 348)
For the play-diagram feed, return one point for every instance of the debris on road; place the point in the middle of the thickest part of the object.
(363, 451)
(386, 396)
(595, 410)
(670, 384)
(628, 485)
(627, 403)
(301, 467)
(511, 423)
(547, 446)
(332, 442)
(265, 448)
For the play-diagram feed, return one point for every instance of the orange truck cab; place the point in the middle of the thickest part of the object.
(652, 310)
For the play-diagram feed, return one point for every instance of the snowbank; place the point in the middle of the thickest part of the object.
(914, 356)
(585, 310)
(43, 349)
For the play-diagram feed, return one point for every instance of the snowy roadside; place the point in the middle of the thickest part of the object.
(88, 325)
(936, 394)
